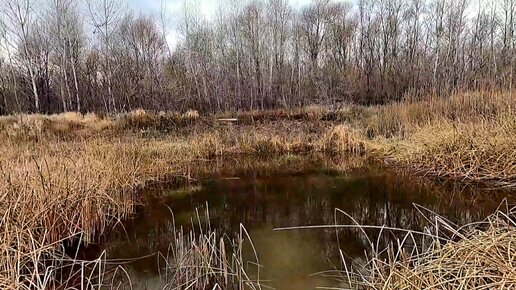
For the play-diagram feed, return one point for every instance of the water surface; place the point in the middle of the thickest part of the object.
(264, 195)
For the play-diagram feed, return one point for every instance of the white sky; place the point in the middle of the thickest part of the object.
(207, 7)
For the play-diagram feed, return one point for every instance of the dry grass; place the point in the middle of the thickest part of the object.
(476, 256)
(23, 128)
(481, 152)
(71, 175)
(469, 137)
(52, 193)
(206, 259)
(404, 118)
(342, 139)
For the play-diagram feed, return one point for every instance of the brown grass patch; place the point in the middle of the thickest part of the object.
(73, 175)
(341, 139)
(67, 180)
(476, 256)
(469, 137)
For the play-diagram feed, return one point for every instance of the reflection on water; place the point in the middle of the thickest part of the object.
(286, 193)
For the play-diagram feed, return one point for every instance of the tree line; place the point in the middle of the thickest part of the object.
(67, 55)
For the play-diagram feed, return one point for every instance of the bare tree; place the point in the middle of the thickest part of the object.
(68, 40)
(140, 49)
(252, 54)
(278, 19)
(19, 18)
(105, 16)
(508, 31)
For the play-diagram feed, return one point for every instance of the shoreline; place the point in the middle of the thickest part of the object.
(64, 174)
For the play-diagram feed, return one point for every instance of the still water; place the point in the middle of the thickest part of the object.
(289, 191)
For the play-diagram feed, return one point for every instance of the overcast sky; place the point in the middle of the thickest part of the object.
(173, 7)
(207, 7)
(210, 7)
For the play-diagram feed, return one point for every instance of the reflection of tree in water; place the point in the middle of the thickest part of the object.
(372, 196)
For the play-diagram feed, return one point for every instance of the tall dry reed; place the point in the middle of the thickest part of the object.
(73, 175)
(469, 137)
(481, 255)
(70, 176)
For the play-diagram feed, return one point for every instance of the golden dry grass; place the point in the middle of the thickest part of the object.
(341, 139)
(470, 137)
(53, 192)
(404, 118)
(476, 256)
(481, 152)
(209, 260)
(70, 176)
(73, 175)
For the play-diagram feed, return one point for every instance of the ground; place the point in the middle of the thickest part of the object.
(73, 175)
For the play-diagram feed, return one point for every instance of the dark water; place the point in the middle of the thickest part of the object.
(290, 191)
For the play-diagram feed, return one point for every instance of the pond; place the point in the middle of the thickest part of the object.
(289, 191)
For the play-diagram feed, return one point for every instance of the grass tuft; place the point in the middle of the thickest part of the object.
(340, 139)
(475, 256)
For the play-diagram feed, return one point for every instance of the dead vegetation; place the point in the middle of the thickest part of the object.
(475, 256)
(207, 259)
(470, 137)
(71, 175)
